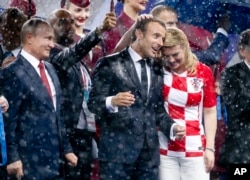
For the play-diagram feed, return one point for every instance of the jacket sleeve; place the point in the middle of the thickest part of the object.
(12, 89)
(73, 54)
(214, 52)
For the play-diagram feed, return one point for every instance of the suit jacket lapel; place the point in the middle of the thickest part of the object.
(129, 65)
(35, 80)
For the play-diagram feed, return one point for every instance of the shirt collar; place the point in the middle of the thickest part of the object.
(14, 51)
(31, 59)
(134, 55)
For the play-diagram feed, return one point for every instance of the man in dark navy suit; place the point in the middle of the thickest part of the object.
(35, 140)
(127, 98)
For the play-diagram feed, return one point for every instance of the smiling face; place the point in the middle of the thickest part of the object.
(62, 23)
(79, 14)
(174, 58)
(151, 40)
(38, 41)
(138, 5)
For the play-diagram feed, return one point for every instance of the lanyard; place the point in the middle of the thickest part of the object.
(3, 142)
(86, 78)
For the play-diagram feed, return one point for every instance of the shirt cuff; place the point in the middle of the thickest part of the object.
(222, 31)
(111, 109)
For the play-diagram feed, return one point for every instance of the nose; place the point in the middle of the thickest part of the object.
(170, 59)
(52, 44)
(160, 42)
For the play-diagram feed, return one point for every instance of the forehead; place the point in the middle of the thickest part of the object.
(171, 50)
(44, 29)
(155, 27)
(168, 16)
(73, 6)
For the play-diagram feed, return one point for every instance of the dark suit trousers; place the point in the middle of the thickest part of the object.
(142, 169)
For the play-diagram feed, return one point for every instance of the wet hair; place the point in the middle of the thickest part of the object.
(175, 37)
(143, 25)
(157, 10)
(13, 17)
(31, 26)
(28, 8)
(244, 40)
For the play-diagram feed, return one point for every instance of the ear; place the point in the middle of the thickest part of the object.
(29, 37)
(242, 52)
(138, 34)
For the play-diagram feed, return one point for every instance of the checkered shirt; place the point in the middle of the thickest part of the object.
(185, 96)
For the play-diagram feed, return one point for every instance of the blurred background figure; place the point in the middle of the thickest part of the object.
(208, 55)
(125, 20)
(80, 11)
(235, 86)
(11, 21)
(27, 6)
(76, 84)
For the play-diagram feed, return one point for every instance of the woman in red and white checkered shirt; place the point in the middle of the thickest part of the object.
(190, 100)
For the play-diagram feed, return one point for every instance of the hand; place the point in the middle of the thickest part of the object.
(217, 88)
(16, 168)
(123, 99)
(4, 104)
(179, 132)
(109, 22)
(7, 61)
(144, 16)
(71, 158)
(209, 160)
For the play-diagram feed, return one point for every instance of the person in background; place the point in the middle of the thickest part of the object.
(213, 53)
(127, 98)
(4, 104)
(35, 136)
(167, 14)
(27, 6)
(80, 10)
(4, 107)
(235, 85)
(190, 100)
(76, 84)
(125, 20)
(11, 22)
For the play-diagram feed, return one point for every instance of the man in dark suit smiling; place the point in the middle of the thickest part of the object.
(34, 136)
(127, 97)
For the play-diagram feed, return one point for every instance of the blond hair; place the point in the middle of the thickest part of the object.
(175, 37)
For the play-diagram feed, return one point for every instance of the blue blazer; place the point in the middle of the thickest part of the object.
(123, 133)
(32, 125)
(213, 53)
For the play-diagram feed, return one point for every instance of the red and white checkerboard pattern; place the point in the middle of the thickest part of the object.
(185, 96)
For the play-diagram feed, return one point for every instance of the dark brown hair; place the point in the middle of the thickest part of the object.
(143, 25)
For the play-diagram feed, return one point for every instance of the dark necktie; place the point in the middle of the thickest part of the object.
(44, 78)
(144, 78)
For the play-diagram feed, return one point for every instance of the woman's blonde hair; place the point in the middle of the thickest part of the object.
(175, 37)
